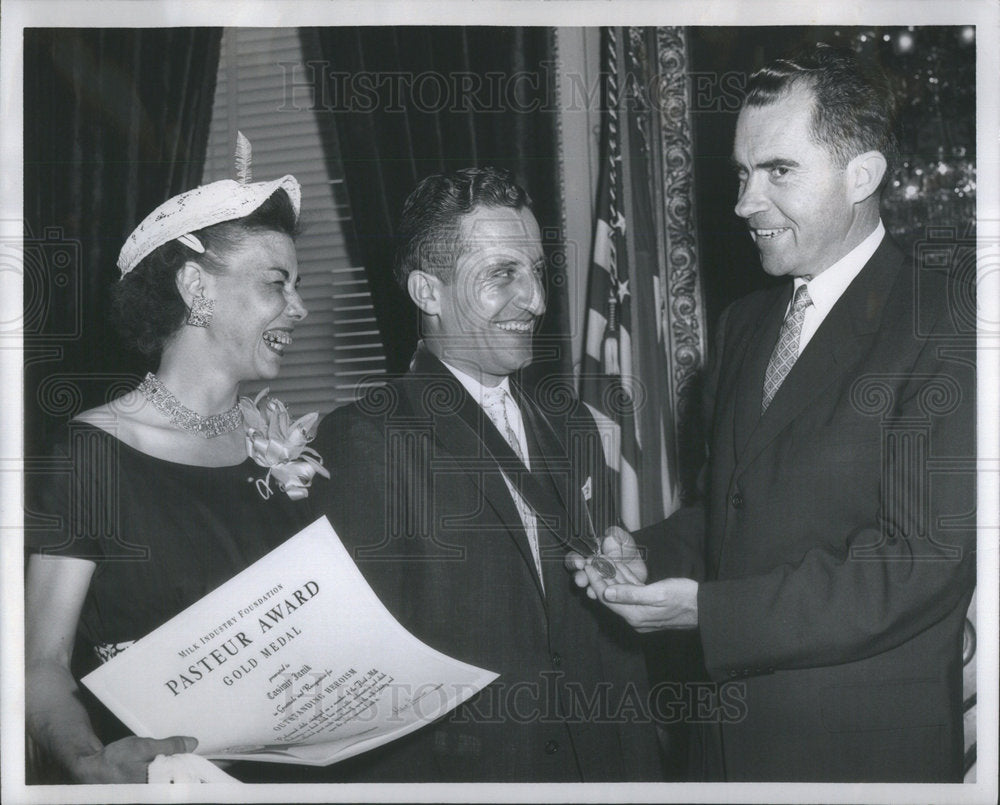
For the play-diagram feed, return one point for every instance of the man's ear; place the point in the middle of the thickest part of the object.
(864, 175)
(190, 282)
(425, 291)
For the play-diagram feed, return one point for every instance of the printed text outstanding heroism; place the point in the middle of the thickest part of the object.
(222, 653)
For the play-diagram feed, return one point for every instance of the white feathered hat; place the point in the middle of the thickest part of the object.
(225, 200)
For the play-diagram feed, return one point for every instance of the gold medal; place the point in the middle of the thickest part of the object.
(601, 564)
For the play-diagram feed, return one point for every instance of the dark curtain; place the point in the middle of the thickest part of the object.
(407, 102)
(115, 122)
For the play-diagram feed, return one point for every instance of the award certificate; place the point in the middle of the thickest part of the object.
(294, 660)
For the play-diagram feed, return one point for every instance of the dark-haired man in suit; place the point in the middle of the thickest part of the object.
(839, 536)
(458, 494)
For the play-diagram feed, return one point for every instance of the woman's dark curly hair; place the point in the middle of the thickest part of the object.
(146, 305)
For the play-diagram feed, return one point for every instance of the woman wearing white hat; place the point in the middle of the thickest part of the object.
(161, 502)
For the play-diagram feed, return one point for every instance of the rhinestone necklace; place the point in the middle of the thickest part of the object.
(207, 427)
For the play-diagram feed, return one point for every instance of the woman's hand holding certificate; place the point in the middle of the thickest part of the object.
(294, 660)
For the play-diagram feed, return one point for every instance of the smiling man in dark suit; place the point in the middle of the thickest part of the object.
(838, 537)
(458, 495)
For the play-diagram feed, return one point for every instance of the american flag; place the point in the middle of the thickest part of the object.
(624, 377)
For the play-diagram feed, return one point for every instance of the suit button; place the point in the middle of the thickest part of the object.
(551, 747)
(556, 660)
(734, 673)
(737, 500)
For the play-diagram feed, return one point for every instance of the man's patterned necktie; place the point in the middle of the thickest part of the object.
(786, 351)
(495, 402)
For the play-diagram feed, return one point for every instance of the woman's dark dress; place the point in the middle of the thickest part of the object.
(162, 535)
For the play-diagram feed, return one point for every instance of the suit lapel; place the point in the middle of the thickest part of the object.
(835, 347)
(551, 467)
(464, 431)
(750, 385)
(551, 463)
(546, 449)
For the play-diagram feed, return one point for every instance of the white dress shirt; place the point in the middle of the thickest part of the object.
(828, 286)
(528, 519)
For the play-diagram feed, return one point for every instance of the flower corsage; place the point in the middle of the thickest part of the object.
(275, 442)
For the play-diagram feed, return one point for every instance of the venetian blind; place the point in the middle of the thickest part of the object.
(338, 346)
